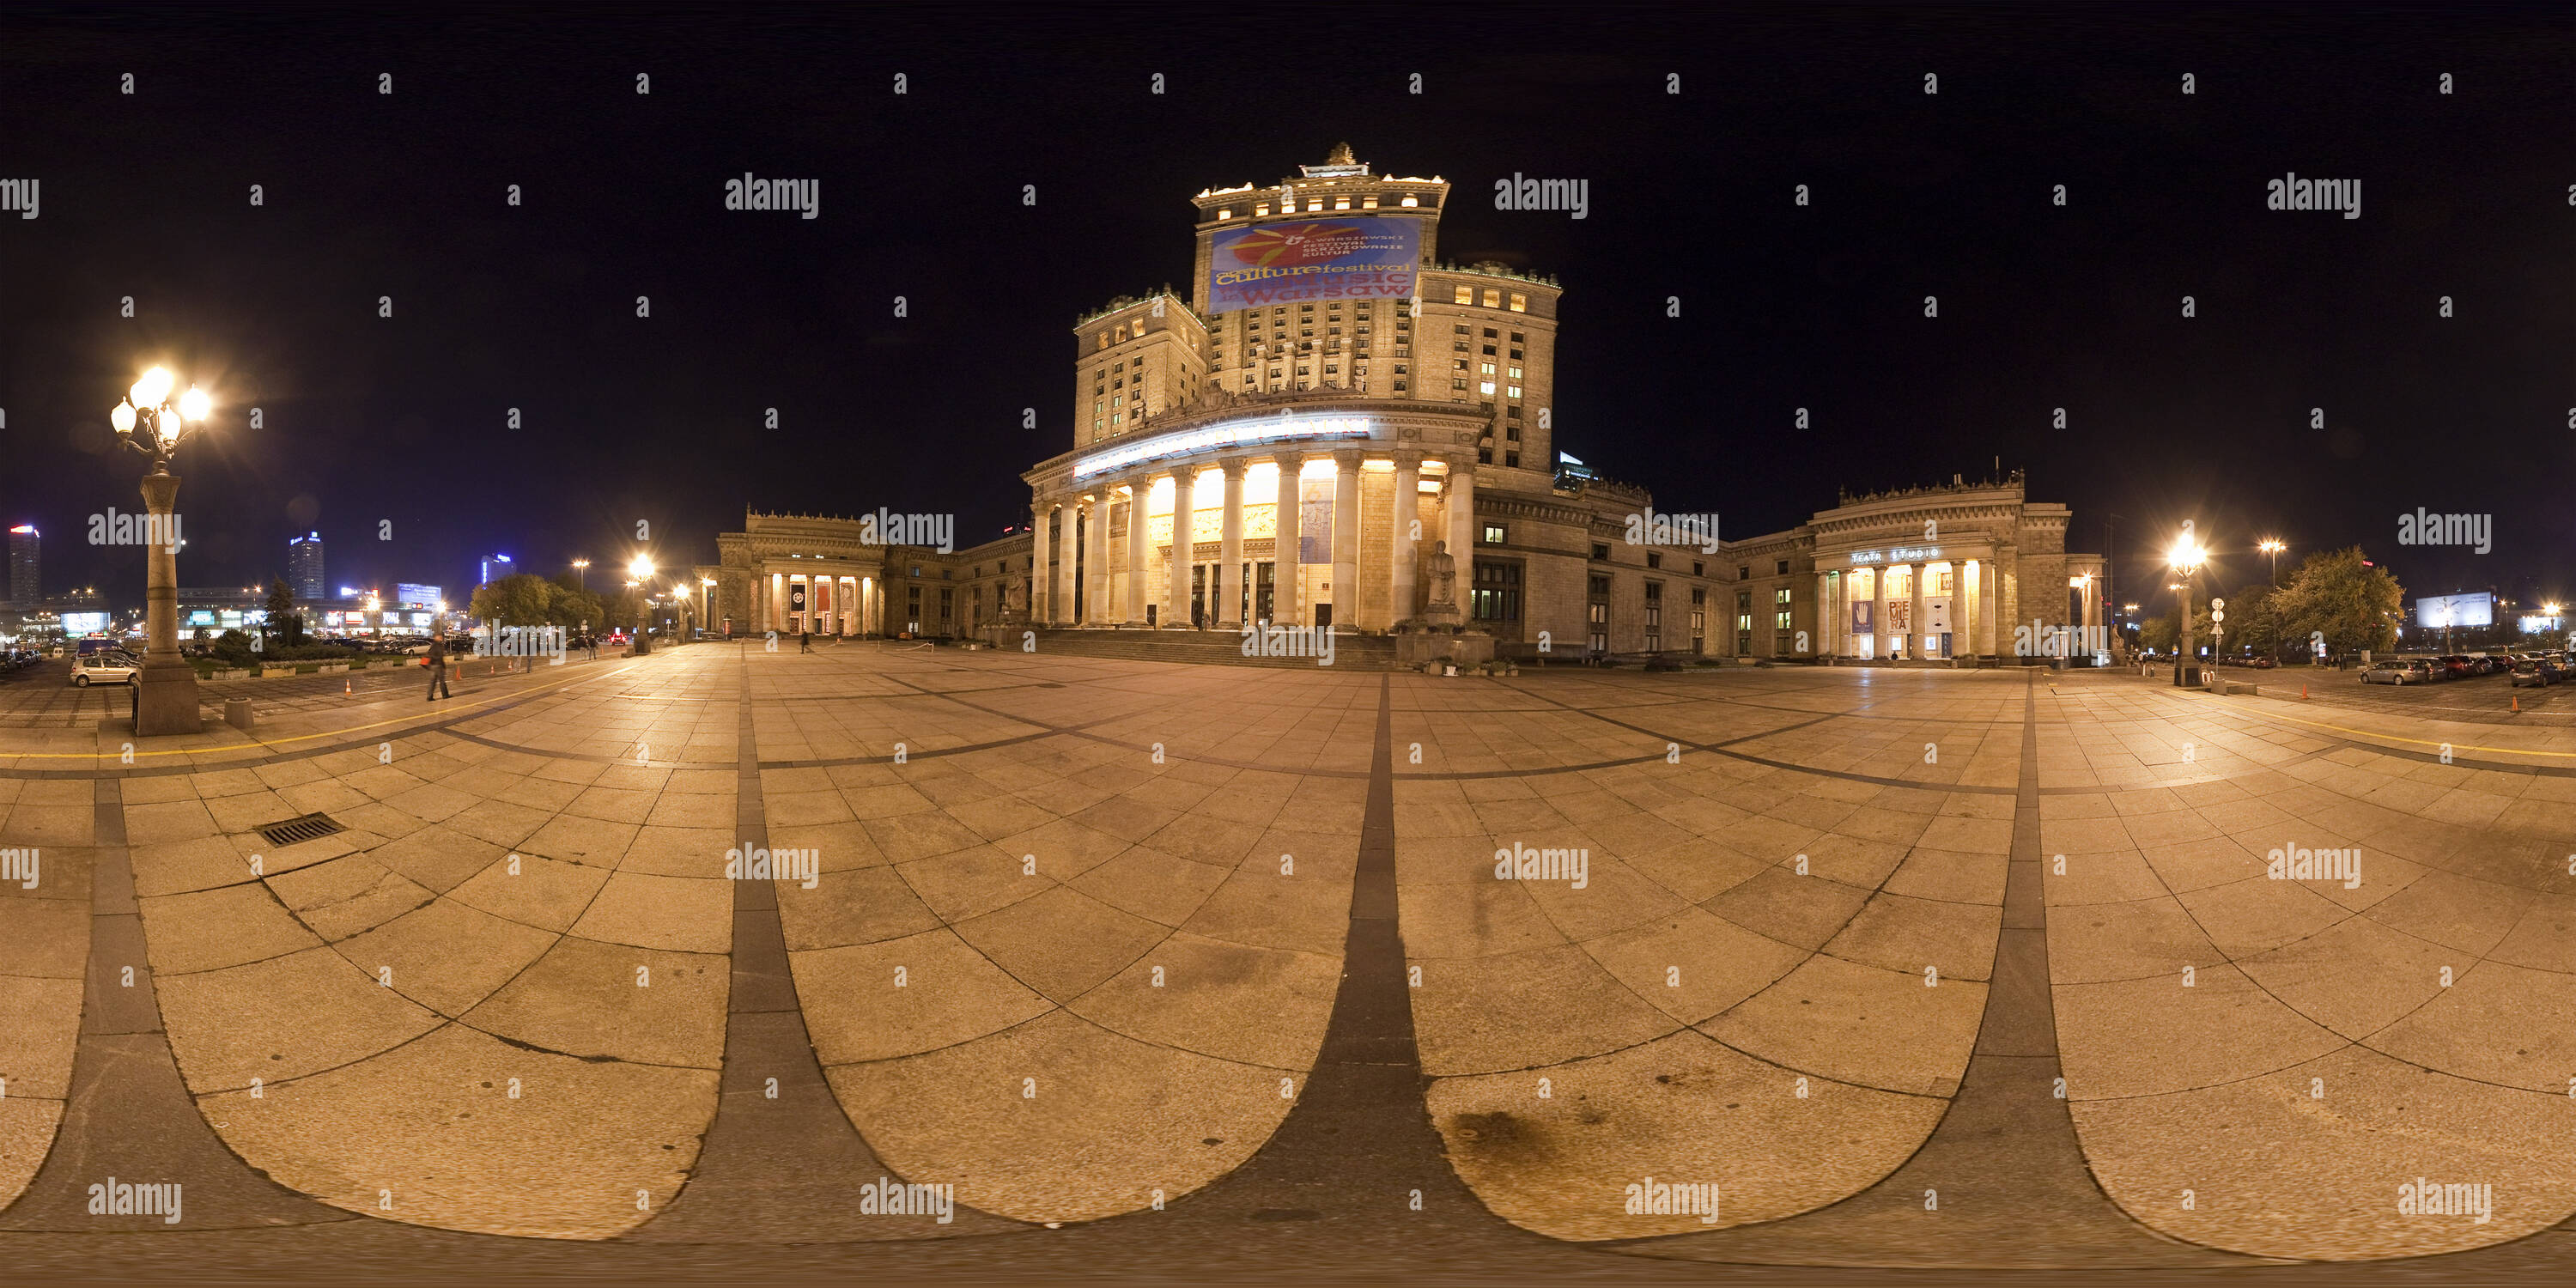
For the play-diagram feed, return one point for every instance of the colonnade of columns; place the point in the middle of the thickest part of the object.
(835, 603)
(1057, 518)
(1973, 589)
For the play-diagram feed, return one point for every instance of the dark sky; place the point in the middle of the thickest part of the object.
(626, 419)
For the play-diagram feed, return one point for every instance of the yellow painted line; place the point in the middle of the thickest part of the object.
(2390, 737)
(302, 737)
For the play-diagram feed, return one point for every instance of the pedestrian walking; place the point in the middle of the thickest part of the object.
(438, 669)
(805, 642)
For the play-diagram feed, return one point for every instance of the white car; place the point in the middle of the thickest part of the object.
(103, 668)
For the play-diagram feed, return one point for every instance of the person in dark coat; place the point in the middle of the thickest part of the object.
(438, 668)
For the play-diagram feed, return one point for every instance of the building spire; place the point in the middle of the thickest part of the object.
(1341, 155)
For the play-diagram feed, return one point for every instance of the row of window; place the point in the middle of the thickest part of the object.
(1315, 205)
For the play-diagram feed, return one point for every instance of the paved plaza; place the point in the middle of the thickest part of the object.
(717, 958)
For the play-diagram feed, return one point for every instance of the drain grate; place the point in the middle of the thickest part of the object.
(311, 827)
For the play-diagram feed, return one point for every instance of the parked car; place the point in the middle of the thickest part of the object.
(2535, 672)
(103, 667)
(2411, 670)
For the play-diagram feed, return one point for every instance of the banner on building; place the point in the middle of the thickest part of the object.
(1315, 520)
(1936, 615)
(795, 597)
(1860, 616)
(1900, 617)
(1364, 258)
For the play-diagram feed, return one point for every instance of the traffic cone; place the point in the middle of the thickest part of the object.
(2517, 702)
(2303, 690)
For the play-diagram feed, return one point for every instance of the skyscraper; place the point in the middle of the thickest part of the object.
(495, 566)
(26, 585)
(304, 566)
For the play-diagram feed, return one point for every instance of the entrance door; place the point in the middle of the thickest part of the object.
(1324, 615)
(1199, 574)
(1265, 590)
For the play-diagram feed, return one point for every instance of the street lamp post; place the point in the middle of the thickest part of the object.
(2273, 548)
(581, 574)
(165, 689)
(2185, 558)
(641, 569)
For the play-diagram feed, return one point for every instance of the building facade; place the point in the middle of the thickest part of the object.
(1334, 428)
(26, 568)
(304, 573)
(797, 573)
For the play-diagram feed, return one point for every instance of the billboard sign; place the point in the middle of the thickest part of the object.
(1365, 258)
(2437, 611)
(414, 595)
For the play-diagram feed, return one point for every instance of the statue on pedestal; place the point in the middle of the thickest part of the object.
(1440, 568)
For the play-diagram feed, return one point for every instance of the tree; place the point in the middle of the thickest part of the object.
(2163, 632)
(574, 605)
(521, 599)
(2337, 596)
(2253, 618)
(285, 625)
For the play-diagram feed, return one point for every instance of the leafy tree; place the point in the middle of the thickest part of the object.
(2253, 618)
(285, 625)
(2163, 632)
(521, 599)
(573, 605)
(2338, 595)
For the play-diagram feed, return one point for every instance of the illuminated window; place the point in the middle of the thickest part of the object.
(1520, 302)
(1368, 203)
(1484, 369)
(1225, 214)
(1261, 208)
(1485, 387)
(1466, 295)
(1515, 391)
(1493, 297)
(1341, 203)
(1515, 373)
(1411, 201)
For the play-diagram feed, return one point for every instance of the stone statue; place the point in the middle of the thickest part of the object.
(1440, 570)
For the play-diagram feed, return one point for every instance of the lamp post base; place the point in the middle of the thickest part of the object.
(165, 700)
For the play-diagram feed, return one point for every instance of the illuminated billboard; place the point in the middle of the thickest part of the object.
(2437, 611)
(1365, 258)
(83, 623)
(414, 595)
(1282, 428)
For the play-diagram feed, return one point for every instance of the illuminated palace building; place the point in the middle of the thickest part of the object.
(1330, 408)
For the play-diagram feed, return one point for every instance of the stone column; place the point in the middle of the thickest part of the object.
(1963, 609)
(1462, 528)
(1346, 539)
(1288, 532)
(1039, 576)
(1878, 611)
(1989, 626)
(1822, 639)
(1228, 610)
(1176, 597)
(1916, 637)
(1138, 490)
(1401, 559)
(1068, 535)
(1095, 565)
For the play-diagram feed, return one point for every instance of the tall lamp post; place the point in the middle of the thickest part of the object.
(2185, 557)
(2273, 547)
(581, 574)
(165, 689)
(641, 569)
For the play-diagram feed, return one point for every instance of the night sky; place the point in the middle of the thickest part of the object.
(368, 195)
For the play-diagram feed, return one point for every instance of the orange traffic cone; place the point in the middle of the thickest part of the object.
(2517, 702)
(2303, 690)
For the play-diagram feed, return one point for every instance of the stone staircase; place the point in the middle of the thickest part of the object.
(1214, 648)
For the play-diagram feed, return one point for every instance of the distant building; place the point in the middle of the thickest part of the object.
(495, 566)
(26, 584)
(304, 566)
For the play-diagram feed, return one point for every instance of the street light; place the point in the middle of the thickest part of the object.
(2185, 556)
(2274, 547)
(165, 688)
(581, 573)
(640, 568)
